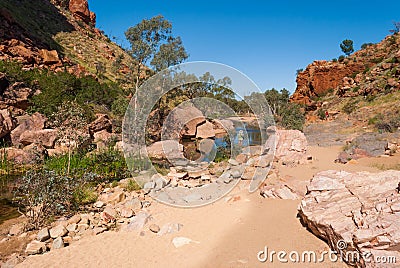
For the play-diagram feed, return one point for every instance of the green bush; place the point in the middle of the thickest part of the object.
(321, 114)
(119, 106)
(292, 117)
(60, 87)
(44, 194)
(350, 107)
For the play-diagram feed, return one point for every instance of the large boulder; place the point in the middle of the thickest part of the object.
(34, 122)
(45, 137)
(167, 149)
(102, 122)
(182, 121)
(20, 156)
(205, 131)
(355, 213)
(291, 146)
(7, 122)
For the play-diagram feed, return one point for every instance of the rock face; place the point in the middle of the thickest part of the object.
(321, 76)
(80, 8)
(355, 212)
(362, 73)
(16, 95)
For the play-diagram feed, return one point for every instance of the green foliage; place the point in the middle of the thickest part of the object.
(152, 38)
(119, 106)
(341, 58)
(389, 123)
(61, 87)
(365, 45)
(286, 114)
(334, 59)
(350, 106)
(44, 194)
(84, 195)
(109, 165)
(396, 29)
(299, 71)
(377, 60)
(292, 117)
(169, 54)
(347, 47)
(132, 186)
(321, 114)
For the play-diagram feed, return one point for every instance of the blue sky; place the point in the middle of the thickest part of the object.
(266, 40)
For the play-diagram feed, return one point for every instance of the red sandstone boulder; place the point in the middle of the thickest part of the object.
(80, 8)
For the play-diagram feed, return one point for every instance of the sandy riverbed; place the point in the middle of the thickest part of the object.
(227, 233)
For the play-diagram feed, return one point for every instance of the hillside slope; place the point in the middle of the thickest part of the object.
(40, 34)
(363, 88)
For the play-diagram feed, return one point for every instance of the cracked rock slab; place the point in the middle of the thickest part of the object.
(358, 208)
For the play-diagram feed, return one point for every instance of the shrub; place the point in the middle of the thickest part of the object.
(119, 106)
(350, 107)
(341, 58)
(132, 186)
(292, 117)
(321, 114)
(365, 45)
(44, 194)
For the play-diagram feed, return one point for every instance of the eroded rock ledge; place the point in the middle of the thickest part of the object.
(362, 209)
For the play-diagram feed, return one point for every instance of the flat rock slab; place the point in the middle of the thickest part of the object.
(359, 210)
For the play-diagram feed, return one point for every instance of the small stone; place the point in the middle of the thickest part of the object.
(82, 227)
(98, 204)
(111, 211)
(58, 243)
(148, 186)
(181, 241)
(35, 247)
(154, 228)
(134, 204)
(99, 230)
(71, 227)
(43, 235)
(126, 212)
(233, 162)
(74, 219)
(58, 231)
(16, 229)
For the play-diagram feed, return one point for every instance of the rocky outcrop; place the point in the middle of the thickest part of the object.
(80, 9)
(321, 76)
(368, 71)
(45, 137)
(355, 213)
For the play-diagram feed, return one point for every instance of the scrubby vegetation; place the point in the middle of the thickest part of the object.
(61, 87)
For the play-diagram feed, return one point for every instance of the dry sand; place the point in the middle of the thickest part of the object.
(229, 233)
